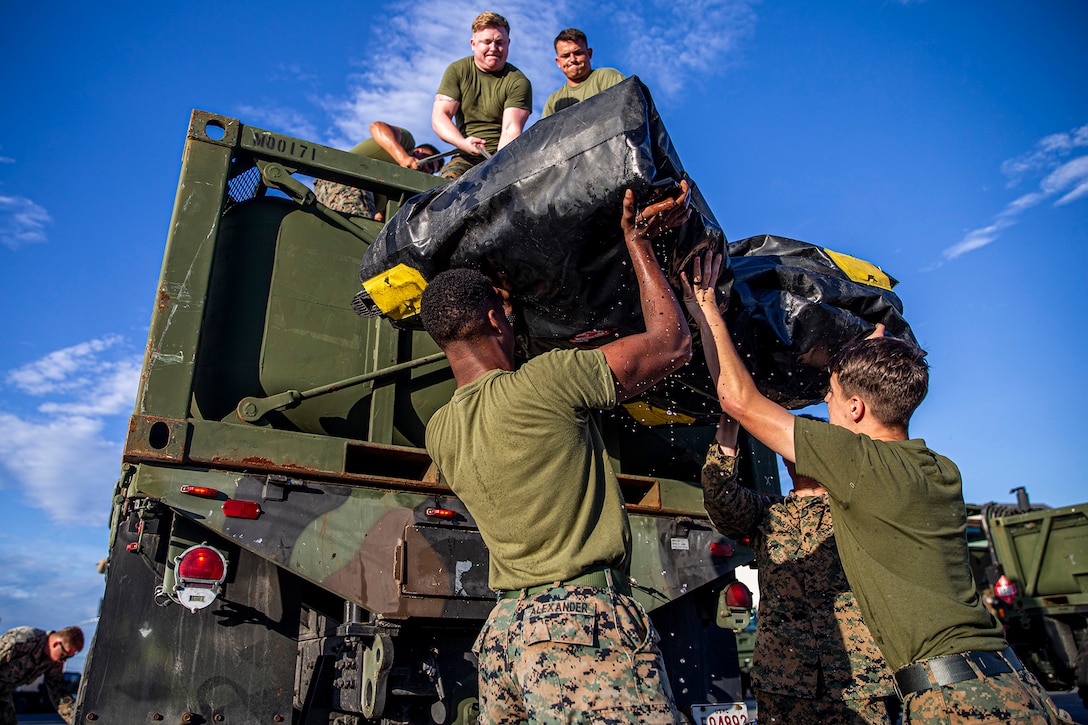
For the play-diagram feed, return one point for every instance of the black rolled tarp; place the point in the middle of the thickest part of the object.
(793, 304)
(541, 218)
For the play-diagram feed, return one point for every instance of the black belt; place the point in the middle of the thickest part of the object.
(597, 578)
(948, 670)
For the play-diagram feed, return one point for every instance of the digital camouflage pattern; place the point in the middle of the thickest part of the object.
(345, 199)
(572, 655)
(1012, 697)
(787, 710)
(23, 656)
(458, 165)
(811, 642)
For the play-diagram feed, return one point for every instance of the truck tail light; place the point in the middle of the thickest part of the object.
(236, 509)
(199, 572)
(738, 595)
(721, 549)
(1005, 590)
(202, 491)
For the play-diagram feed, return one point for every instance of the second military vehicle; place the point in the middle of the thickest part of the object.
(1031, 566)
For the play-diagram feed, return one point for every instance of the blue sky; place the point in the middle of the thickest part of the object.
(945, 141)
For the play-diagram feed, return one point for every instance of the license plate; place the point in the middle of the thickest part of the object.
(726, 713)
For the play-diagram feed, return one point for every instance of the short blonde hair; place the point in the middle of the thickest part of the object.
(489, 19)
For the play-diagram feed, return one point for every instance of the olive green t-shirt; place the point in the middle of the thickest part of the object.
(523, 452)
(598, 80)
(900, 524)
(484, 97)
(372, 150)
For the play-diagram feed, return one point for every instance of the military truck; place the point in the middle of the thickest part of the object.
(1031, 566)
(282, 549)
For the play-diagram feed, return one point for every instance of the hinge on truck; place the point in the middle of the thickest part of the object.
(362, 670)
(276, 485)
(277, 176)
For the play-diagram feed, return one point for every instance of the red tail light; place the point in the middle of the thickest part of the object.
(201, 564)
(202, 491)
(438, 513)
(198, 576)
(738, 595)
(721, 549)
(241, 509)
(1005, 590)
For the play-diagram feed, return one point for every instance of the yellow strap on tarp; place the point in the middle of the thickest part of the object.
(647, 414)
(860, 271)
(397, 291)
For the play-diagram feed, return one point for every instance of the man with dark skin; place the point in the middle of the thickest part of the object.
(521, 448)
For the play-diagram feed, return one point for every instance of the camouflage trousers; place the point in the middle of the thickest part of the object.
(345, 199)
(1012, 698)
(458, 165)
(7, 709)
(788, 710)
(572, 655)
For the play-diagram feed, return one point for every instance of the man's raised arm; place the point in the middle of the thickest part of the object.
(767, 421)
(640, 360)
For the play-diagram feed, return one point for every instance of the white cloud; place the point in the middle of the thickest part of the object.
(422, 38)
(63, 466)
(670, 42)
(51, 583)
(665, 41)
(6, 160)
(1045, 155)
(65, 455)
(1068, 180)
(1070, 174)
(62, 370)
(114, 392)
(1079, 192)
(279, 119)
(396, 82)
(22, 222)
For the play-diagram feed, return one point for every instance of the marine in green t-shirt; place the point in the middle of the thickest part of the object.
(391, 144)
(573, 56)
(521, 449)
(482, 102)
(899, 520)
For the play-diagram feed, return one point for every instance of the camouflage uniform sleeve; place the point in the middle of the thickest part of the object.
(66, 708)
(734, 510)
(59, 695)
(7, 648)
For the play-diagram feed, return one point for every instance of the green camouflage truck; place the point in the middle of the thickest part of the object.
(1031, 566)
(282, 549)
